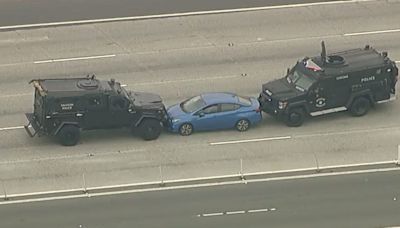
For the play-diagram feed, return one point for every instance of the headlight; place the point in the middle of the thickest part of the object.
(175, 120)
(282, 104)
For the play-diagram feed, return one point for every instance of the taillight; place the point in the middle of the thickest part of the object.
(258, 110)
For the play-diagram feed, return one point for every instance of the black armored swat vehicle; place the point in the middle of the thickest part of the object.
(352, 80)
(64, 107)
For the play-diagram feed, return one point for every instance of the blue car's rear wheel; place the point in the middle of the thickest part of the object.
(186, 129)
(242, 125)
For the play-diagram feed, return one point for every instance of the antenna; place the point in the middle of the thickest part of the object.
(323, 53)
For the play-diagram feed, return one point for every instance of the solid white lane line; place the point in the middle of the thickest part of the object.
(372, 32)
(250, 140)
(235, 212)
(10, 128)
(258, 210)
(157, 16)
(213, 214)
(74, 59)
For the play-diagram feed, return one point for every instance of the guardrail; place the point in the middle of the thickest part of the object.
(162, 184)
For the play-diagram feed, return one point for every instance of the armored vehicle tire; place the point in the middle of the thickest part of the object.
(186, 129)
(69, 135)
(150, 129)
(360, 106)
(242, 125)
(295, 117)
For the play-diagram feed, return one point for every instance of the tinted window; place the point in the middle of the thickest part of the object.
(118, 103)
(94, 101)
(229, 107)
(193, 104)
(302, 81)
(211, 109)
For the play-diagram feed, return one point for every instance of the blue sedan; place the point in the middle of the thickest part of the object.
(213, 111)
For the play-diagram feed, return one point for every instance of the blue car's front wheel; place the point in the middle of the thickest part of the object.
(242, 125)
(186, 129)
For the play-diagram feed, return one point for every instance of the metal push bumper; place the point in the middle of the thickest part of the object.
(267, 107)
(32, 124)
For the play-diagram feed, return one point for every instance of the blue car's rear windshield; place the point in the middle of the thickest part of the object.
(244, 100)
(193, 104)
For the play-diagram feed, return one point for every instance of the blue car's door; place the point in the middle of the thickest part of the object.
(205, 119)
(228, 115)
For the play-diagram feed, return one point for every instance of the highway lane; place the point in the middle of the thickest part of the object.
(355, 200)
(47, 11)
(177, 58)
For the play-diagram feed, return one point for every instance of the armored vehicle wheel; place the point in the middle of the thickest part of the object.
(242, 125)
(186, 129)
(360, 106)
(69, 135)
(150, 129)
(295, 117)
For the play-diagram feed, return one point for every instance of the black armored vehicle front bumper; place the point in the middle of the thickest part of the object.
(268, 105)
(33, 127)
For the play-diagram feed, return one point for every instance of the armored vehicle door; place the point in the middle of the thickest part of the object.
(119, 114)
(341, 90)
(323, 96)
(96, 112)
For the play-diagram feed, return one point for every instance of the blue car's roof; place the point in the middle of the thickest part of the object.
(214, 98)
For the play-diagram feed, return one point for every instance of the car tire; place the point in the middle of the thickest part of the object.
(242, 125)
(150, 129)
(295, 117)
(360, 106)
(69, 135)
(186, 129)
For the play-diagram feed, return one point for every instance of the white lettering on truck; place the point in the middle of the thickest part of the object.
(68, 106)
(367, 79)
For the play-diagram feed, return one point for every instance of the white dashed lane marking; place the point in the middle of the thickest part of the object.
(235, 212)
(11, 128)
(372, 32)
(212, 214)
(299, 136)
(263, 210)
(74, 59)
(259, 210)
(250, 140)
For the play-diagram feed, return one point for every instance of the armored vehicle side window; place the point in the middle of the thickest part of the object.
(95, 103)
(301, 80)
(118, 103)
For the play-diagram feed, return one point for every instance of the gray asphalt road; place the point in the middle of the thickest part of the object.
(180, 57)
(354, 201)
(45, 11)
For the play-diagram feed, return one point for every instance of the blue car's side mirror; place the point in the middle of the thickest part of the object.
(200, 114)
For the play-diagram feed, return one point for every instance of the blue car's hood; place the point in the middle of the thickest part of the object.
(175, 111)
